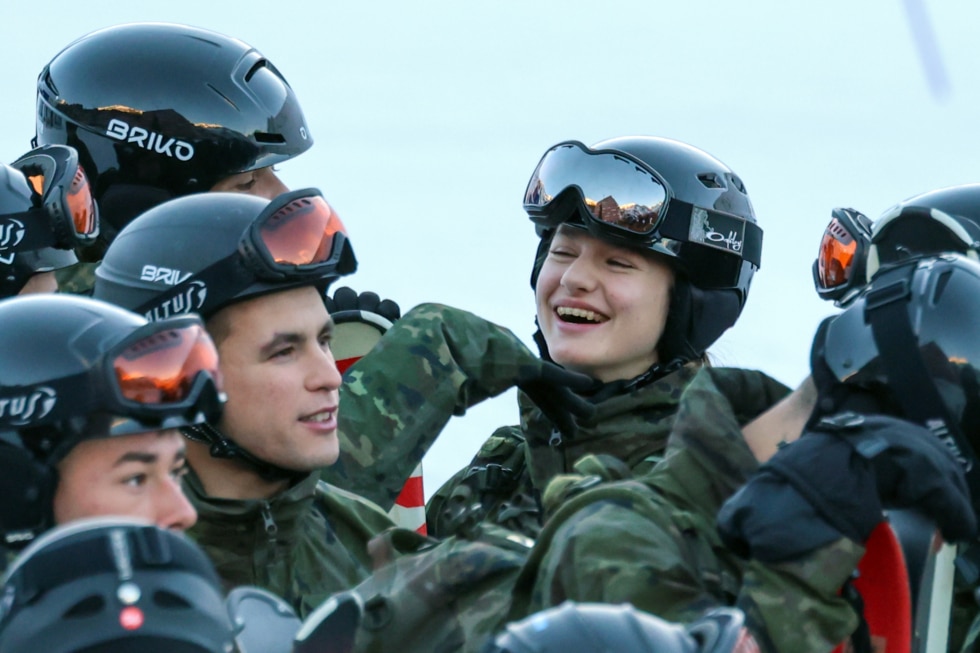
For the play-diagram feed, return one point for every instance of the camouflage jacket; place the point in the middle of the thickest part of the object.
(508, 475)
(653, 542)
(435, 362)
(78, 279)
(303, 544)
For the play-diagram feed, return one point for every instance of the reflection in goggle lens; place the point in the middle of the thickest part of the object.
(81, 204)
(836, 260)
(615, 190)
(161, 368)
(301, 232)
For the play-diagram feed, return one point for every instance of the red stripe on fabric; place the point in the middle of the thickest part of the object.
(343, 364)
(412, 494)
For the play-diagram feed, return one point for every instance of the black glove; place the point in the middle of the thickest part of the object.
(837, 479)
(346, 299)
(552, 388)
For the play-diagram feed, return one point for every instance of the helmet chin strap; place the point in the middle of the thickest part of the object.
(908, 375)
(222, 447)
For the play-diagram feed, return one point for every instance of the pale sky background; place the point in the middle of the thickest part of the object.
(429, 116)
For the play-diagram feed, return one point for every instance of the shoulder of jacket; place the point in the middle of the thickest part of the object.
(336, 499)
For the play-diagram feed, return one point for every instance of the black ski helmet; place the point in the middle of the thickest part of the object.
(203, 252)
(69, 372)
(194, 254)
(943, 220)
(18, 265)
(854, 249)
(110, 584)
(598, 628)
(908, 345)
(160, 110)
(704, 225)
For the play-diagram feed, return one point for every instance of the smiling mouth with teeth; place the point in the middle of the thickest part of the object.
(579, 315)
(319, 417)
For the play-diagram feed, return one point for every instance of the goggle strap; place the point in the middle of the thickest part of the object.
(677, 226)
(70, 396)
(886, 310)
(35, 236)
(227, 274)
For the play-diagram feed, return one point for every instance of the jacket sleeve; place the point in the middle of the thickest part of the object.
(653, 542)
(670, 563)
(435, 362)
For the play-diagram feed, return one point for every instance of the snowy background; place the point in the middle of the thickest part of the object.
(429, 116)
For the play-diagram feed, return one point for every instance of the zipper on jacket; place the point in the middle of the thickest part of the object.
(555, 440)
(271, 528)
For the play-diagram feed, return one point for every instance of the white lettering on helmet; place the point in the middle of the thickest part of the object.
(24, 409)
(11, 233)
(169, 276)
(152, 141)
(189, 301)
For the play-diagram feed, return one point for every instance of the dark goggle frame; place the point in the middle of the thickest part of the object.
(162, 375)
(839, 270)
(620, 198)
(67, 215)
(297, 237)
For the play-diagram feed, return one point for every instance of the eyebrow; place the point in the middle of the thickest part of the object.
(281, 339)
(136, 457)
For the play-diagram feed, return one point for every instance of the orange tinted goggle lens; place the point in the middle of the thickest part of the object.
(161, 368)
(78, 199)
(301, 232)
(81, 204)
(835, 263)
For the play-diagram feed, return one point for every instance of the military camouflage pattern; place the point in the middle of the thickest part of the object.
(78, 279)
(442, 596)
(303, 544)
(653, 541)
(508, 475)
(435, 362)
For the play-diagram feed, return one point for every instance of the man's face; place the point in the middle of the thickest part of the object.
(262, 183)
(125, 476)
(281, 378)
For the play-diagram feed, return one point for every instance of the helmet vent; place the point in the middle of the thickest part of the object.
(166, 599)
(86, 607)
(711, 180)
(266, 137)
(737, 183)
(254, 69)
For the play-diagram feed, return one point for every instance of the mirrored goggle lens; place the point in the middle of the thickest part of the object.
(77, 199)
(615, 190)
(301, 232)
(161, 368)
(835, 261)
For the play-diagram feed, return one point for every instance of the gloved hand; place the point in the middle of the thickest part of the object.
(837, 479)
(346, 299)
(552, 388)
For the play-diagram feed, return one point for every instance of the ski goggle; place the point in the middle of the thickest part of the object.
(164, 374)
(618, 196)
(55, 174)
(839, 270)
(297, 237)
